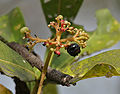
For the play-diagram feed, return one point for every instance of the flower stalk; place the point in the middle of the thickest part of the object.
(44, 70)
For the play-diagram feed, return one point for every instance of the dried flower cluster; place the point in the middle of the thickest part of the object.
(78, 36)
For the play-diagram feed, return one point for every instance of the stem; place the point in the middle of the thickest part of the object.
(58, 38)
(44, 70)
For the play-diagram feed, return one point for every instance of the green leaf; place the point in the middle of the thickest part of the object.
(4, 90)
(67, 8)
(106, 35)
(104, 64)
(12, 64)
(10, 25)
(50, 89)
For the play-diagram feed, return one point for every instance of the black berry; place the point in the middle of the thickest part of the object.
(44, 44)
(73, 49)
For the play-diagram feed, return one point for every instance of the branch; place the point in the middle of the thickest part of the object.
(52, 74)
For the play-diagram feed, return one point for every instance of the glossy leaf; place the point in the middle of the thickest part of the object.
(4, 90)
(67, 8)
(10, 25)
(105, 36)
(12, 64)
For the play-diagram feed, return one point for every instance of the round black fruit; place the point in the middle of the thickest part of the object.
(73, 49)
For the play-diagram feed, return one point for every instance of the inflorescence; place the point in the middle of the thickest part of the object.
(72, 44)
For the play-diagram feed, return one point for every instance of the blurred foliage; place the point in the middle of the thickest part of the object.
(106, 34)
(10, 25)
(67, 8)
(4, 90)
